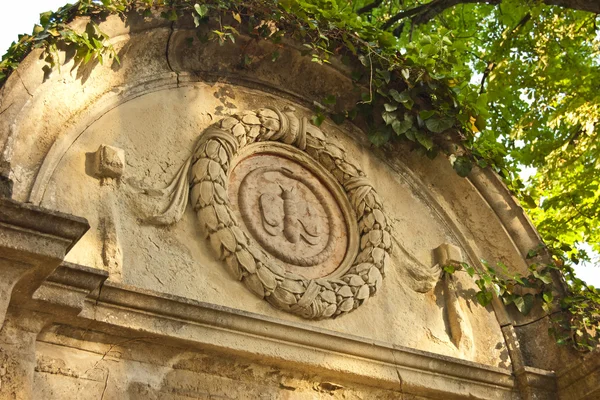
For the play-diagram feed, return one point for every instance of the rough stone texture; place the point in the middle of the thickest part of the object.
(580, 379)
(69, 334)
(113, 368)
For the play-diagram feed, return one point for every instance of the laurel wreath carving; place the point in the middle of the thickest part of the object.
(205, 177)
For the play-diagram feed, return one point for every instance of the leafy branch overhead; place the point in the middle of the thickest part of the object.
(422, 13)
(504, 84)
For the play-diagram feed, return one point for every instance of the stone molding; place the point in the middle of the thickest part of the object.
(31, 218)
(138, 314)
(133, 312)
(68, 287)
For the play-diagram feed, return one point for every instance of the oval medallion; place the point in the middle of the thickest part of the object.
(290, 212)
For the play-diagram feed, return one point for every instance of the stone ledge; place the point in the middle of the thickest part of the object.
(40, 220)
(33, 242)
(134, 312)
(68, 287)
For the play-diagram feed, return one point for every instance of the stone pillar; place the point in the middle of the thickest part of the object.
(17, 353)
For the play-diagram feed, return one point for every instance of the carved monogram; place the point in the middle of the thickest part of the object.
(205, 178)
(288, 213)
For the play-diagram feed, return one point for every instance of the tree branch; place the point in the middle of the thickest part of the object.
(426, 12)
(369, 7)
(507, 36)
(580, 5)
(408, 13)
(488, 70)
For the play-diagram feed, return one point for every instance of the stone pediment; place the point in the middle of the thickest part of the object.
(226, 223)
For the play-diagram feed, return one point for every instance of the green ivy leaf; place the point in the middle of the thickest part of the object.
(385, 74)
(425, 140)
(532, 253)
(317, 119)
(508, 299)
(480, 123)
(390, 107)
(403, 98)
(470, 270)
(171, 15)
(524, 303)
(429, 50)
(202, 10)
(449, 269)
(379, 138)
(529, 201)
(438, 125)
(45, 18)
(401, 127)
(543, 277)
(389, 117)
(405, 73)
(462, 165)
(425, 114)
(387, 39)
(484, 298)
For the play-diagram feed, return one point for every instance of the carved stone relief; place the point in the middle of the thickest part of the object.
(289, 211)
(109, 162)
(459, 326)
(313, 238)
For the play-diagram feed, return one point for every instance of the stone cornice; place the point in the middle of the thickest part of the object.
(134, 312)
(33, 242)
(34, 219)
(581, 379)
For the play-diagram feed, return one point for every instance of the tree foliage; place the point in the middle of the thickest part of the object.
(505, 84)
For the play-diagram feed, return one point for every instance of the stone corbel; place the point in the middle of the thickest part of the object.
(65, 291)
(33, 243)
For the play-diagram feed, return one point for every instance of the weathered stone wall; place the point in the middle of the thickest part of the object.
(85, 365)
(171, 321)
(157, 132)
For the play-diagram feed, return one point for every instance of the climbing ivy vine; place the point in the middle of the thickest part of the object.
(574, 317)
(488, 83)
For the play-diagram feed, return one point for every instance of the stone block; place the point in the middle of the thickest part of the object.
(109, 162)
